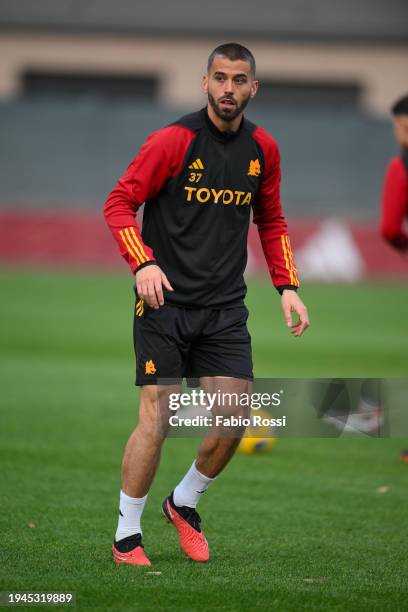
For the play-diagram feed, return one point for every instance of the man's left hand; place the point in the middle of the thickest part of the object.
(291, 302)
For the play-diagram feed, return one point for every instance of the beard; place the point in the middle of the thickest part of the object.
(227, 114)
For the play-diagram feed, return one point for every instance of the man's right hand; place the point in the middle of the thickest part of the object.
(149, 285)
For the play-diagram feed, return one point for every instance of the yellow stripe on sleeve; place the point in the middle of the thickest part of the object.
(136, 239)
(133, 245)
(285, 254)
(292, 262)
(128, 248)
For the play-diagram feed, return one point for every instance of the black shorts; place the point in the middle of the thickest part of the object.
(174, 342)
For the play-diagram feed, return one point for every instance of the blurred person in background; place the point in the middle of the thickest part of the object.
(394, 213)
(199, 177)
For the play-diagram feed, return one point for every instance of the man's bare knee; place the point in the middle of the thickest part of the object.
(154, 410)
(150, 422)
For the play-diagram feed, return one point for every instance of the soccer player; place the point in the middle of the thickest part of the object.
(394, 210)
(199, 177)
(395, 191)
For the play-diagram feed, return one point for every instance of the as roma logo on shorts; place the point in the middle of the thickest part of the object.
(150, 368)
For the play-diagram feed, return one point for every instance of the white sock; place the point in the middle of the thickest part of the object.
(130, 513)
(190, 489)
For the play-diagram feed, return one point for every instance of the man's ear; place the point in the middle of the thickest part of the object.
(254, 88)
(204, 83)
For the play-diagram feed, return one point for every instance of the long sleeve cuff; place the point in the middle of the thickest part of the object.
(281, 288)
(152, 262)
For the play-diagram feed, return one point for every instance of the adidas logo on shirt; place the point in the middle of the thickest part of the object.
(196, 165)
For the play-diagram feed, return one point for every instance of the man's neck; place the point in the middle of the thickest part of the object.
(221, 124)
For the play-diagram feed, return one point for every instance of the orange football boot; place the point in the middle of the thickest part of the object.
(130, 551)
(187, 523)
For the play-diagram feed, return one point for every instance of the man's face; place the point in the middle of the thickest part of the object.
(229, 86)
(401, 130)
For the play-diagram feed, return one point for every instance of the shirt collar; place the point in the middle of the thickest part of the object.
(218, 134)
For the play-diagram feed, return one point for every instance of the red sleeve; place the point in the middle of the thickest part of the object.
(268, 216)
(395, 205)
(159, 159)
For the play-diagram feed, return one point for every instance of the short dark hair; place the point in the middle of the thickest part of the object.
(233, 51)
(400, 107)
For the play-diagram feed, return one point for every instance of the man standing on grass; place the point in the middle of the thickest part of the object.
(395, 192)
(199, 177)
(394, 209)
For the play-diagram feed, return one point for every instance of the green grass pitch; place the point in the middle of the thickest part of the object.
(302, 528)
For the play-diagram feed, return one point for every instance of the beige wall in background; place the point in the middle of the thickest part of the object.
(382, 71)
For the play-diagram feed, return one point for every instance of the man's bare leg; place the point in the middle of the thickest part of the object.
(142, 453)
(219, 445)
(141, 458)
(213, 455)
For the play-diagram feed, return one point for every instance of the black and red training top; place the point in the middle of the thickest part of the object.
(199, 186)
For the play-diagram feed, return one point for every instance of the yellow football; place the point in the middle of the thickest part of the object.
(257, 438)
